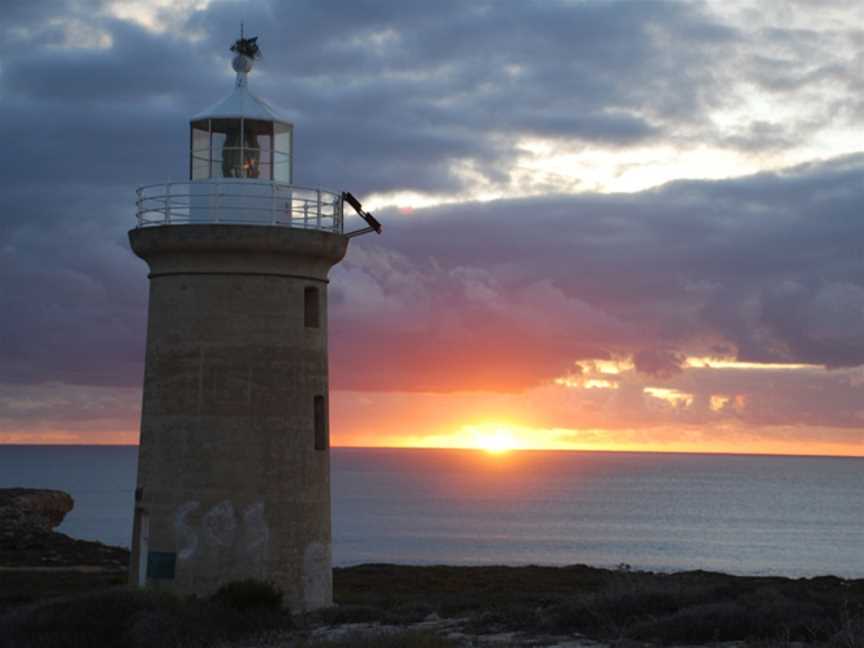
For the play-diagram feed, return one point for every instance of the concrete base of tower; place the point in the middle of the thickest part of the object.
(234, 465)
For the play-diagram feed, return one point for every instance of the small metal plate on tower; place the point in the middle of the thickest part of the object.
(161, 564)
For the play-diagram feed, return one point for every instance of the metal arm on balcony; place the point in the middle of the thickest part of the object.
(373, 224)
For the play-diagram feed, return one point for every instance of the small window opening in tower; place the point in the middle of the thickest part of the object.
(322, 438)
(311, 307)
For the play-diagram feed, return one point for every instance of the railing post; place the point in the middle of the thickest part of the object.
(318, 206)
(138, 207)
(219, 203)
(165, 199)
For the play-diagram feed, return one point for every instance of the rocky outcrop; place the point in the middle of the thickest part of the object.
(27, 537)
(24, 511)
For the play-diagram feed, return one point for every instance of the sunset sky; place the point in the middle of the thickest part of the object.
(608, 225)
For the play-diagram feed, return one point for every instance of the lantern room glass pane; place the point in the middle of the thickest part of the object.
(199, 167)
(240, 148)
(201, 135)
(257, 144)
(281, 167)
(227, 144)
(265, 170)
(282, 152)
(258, 133)
(217, 142)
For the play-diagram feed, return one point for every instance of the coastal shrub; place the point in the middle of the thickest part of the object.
(132, 618)
(390, 614)
(607, 612)
(100, 620)
(406, 639)
(521, 616)
(627, 606)
(408, 612)
(460, 604)
(339, 614)
(772, 617)
(724, 621)
(795, 614)
(25, 587)
(574, 615)
(848, 632)
(249, 594)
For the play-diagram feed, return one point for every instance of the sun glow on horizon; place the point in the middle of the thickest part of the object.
(496, 439)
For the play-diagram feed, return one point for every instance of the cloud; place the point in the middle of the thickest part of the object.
(402, 98)
(660, 363)
(453, 101)
(767, 266)
(506, 294)
(418, 326)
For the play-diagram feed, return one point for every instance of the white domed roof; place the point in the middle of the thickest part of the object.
(241, 102)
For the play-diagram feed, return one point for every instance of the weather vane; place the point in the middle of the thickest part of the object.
(247, 47)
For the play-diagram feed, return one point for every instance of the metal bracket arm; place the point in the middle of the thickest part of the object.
(374, 225)
(365, 230)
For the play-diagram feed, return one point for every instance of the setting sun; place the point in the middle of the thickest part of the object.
(494, 440)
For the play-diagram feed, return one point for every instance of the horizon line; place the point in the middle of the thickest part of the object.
(482, 450)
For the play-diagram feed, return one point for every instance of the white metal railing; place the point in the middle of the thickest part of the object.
(239, 202)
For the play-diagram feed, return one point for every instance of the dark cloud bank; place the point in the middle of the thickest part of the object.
(767, 267)
(504, 294)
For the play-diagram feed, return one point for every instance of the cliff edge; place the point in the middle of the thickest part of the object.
(28, 518)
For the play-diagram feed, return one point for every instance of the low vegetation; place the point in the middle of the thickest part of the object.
(249, 595)
(607, 605)
(23, 587)
(404, 639)
(611, 605)
(128, 618)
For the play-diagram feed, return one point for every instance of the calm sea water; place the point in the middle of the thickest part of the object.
(796, 516)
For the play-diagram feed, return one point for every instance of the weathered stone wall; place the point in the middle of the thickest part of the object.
(231, 484)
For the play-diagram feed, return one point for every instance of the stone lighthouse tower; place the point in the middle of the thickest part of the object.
(234, 465)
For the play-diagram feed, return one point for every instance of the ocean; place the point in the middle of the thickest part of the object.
(740, 514)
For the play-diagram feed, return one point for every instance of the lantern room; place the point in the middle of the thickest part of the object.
(241, 169)
(241, 136)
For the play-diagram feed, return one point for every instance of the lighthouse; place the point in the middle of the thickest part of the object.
(234, 463)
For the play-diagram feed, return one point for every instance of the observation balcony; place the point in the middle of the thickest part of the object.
(239, 202)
